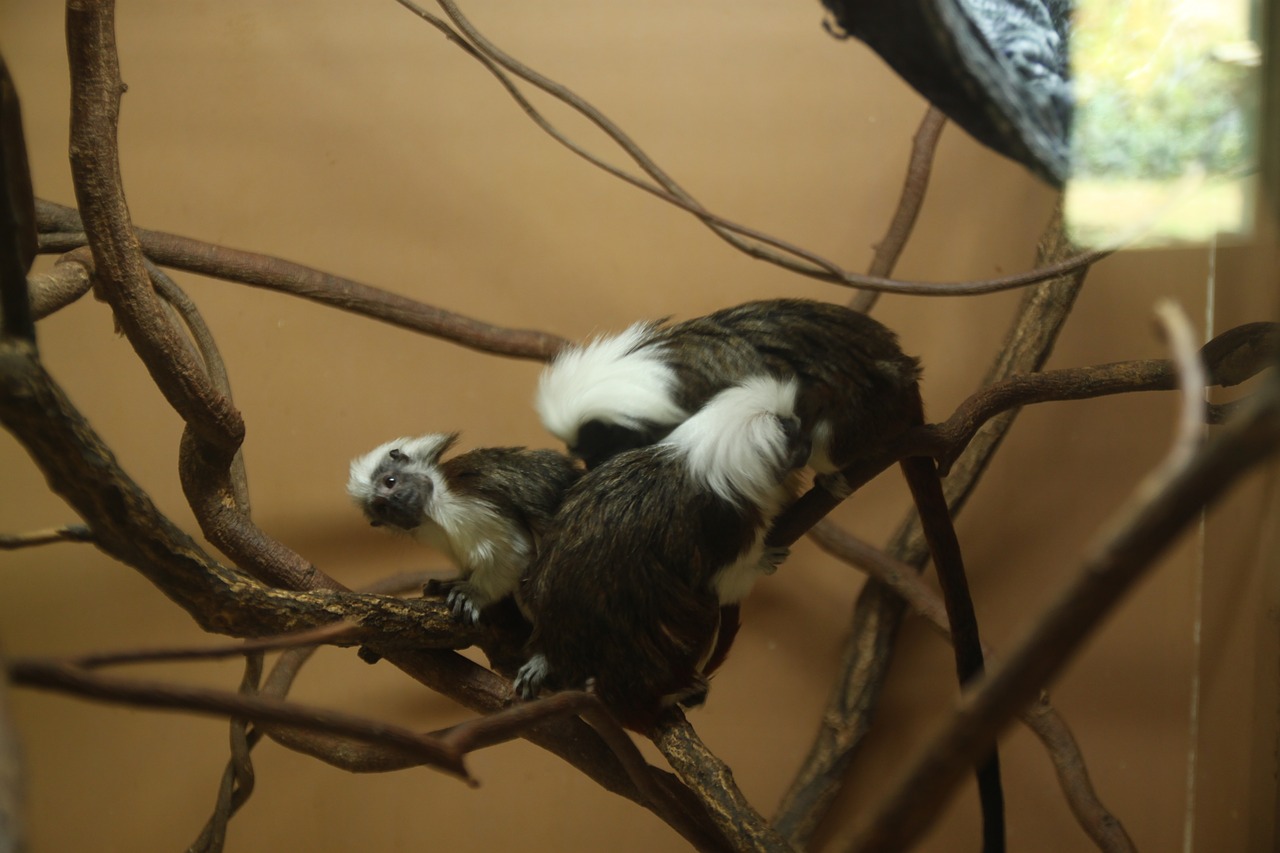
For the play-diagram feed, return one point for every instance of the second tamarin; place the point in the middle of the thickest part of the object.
(861, 392)
(632, 388)
(627, 591)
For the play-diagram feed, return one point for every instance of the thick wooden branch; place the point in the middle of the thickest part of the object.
(712, 780)
(122, 279)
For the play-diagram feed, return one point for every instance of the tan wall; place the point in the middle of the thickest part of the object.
(355, 139)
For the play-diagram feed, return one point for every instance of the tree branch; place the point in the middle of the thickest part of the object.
(788, 256)
(1231, 358)
(923, 147)
(64, 677)
(712, 780)
(54, 290)
(61, 228)
(122, 279)
(877, 611)
(69, 533)
(1073, 777)
(1168, 499)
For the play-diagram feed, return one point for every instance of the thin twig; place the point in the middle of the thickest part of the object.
(238, 779)
(1176, 330)
(1068, 761)
(333, 633)
(62, 676)
(70, 533)
(923, 147)
(789, 256)
(12, 787)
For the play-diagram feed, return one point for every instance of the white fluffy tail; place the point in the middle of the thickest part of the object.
(615, 379)
(740, 442)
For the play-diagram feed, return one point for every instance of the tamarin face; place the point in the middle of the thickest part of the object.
(398, 495)
(486, 509)
(394, 484)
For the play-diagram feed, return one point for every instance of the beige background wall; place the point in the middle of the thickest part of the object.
(355, 139)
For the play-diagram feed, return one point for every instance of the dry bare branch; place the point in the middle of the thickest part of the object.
(788, 256)
(56, 289)
(61, 230)
(1231, 358)
(64, 677)
(69, 533)
(877, 611)
(923, 147)
(121, 277)
(238, 780)
(1127, 546)
(1068, 761)
(712, 780)
(1176, 330)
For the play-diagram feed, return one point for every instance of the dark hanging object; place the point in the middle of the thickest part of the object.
(997, 68)
(17, 215)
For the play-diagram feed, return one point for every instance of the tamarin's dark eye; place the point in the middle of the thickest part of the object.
(389, 482)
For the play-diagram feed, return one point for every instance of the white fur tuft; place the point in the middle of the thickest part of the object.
(616, 379)
(736, 445)
(423, 450)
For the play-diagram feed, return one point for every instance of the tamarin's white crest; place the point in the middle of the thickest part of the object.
(631, 389)
(648, 546)
(486, 510)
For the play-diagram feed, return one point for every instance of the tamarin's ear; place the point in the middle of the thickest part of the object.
(449, 441)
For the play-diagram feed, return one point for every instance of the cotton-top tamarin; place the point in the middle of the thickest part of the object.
(630, 389)
(627, 590)
(486, 509)
(860, 391)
